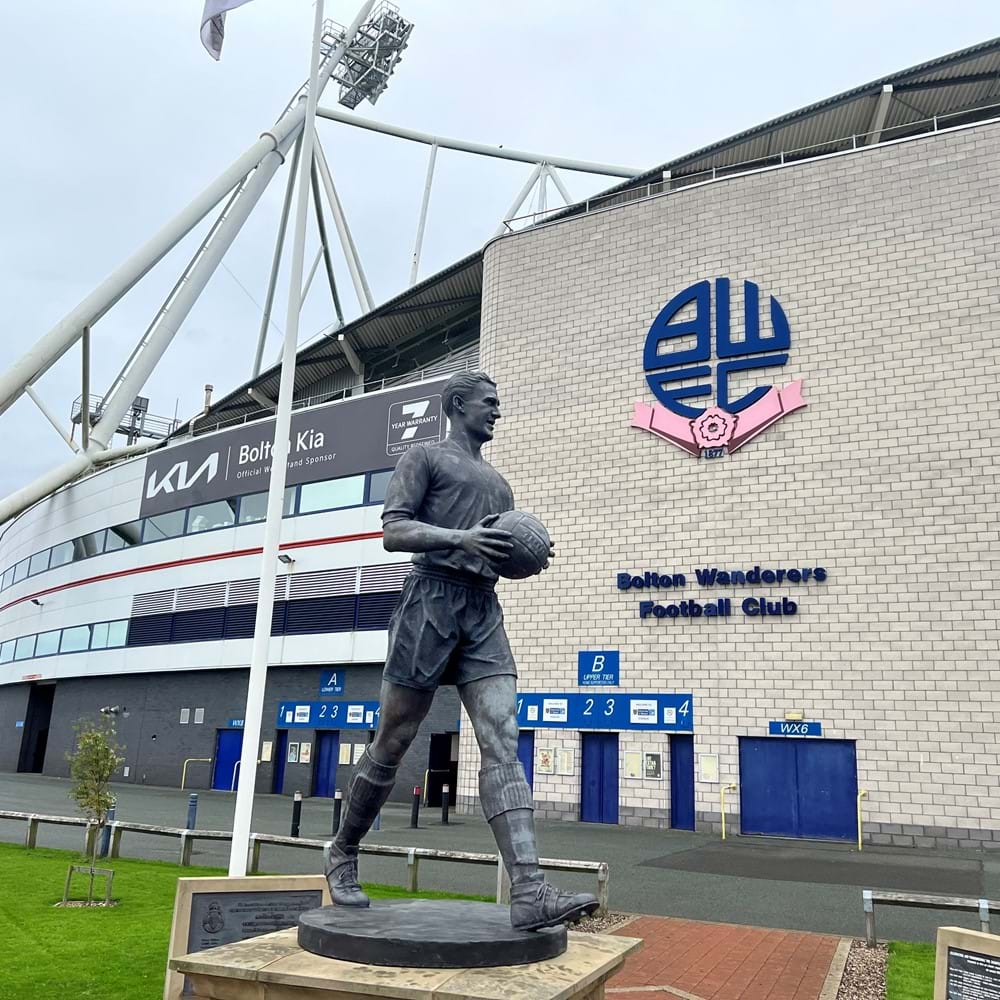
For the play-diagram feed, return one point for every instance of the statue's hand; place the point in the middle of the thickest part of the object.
(491, 544)
(552, 555)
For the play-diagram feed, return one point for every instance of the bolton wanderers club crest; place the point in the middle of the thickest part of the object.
(678, 370)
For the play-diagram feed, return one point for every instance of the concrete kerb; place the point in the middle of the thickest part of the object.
(831, 987)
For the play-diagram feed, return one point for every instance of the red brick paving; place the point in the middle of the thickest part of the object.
(722, 962)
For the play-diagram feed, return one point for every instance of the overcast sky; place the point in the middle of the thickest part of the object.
(115, 117)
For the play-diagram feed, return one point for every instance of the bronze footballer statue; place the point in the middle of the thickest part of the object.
(441, 504)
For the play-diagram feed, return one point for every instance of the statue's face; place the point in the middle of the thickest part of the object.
(480, 412)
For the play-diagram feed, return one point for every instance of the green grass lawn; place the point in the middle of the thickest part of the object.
(52, 953)
(910, 972)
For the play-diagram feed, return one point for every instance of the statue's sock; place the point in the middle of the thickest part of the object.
(506, 799)
(367, 792)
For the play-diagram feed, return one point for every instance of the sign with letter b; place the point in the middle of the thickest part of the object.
(597, 667)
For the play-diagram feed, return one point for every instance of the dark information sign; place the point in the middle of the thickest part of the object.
(355, 435)
(227, 917)
(972, 975)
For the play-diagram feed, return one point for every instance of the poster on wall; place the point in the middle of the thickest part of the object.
(305, 753)
(652, 766)
(545, 761)
(708, 767)
(344, 754)
(265, 751)
(564, 762)
(359, 749)
(293, 753)
(633, 764)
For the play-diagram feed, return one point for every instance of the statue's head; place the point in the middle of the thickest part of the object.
(470, 400)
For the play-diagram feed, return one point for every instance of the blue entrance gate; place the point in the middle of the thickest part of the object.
(228, 747)
(682, 781)
(798, 788)
(599, 778)
(526, 754)
(325, 768)
(278, 773)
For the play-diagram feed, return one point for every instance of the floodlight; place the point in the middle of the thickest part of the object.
(370, 59)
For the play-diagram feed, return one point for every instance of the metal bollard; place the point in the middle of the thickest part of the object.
(445, 803)
(338, 806)
(377, 825)
(104, 846)
(415, 811)
(296, 813)
(192, 810)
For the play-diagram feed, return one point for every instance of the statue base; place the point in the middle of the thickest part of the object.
(426, 933)
(274, 967)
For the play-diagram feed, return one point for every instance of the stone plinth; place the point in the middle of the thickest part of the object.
(274, 967)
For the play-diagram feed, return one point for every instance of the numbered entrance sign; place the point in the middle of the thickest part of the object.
(672, 713)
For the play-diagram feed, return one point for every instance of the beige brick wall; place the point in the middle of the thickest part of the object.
(886, 263)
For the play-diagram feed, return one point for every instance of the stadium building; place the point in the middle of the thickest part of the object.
(752, 393)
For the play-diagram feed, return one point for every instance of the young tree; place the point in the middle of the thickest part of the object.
(91, 766)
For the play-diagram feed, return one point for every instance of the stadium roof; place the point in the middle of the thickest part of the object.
(955, 89)
(960, 87)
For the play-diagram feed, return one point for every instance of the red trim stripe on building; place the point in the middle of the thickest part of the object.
(361, 536)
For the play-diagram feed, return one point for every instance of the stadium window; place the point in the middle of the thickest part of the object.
(7, 651)
(39, 563)
(331, 494)
(7, 579)
(88, 545)
(99, 635)
(24, 647)
(20, 570)
(117, 633)
(253, 507)
(47, 643)
(121, 536)
(61, 554)
(377, 483)
(75, 639)
(161, 526)
(220, 514)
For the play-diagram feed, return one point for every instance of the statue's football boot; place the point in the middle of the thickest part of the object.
(341, 872)
(535, 903)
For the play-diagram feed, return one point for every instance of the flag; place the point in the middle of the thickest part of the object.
(213, 24)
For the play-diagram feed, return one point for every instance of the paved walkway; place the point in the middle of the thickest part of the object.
(703, 961)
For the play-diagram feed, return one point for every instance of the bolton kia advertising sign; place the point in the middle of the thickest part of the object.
(685, 359)
(355, 435)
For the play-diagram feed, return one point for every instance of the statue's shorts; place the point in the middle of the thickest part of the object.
(446, 629)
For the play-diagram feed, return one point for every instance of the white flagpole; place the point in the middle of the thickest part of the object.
(276, 491)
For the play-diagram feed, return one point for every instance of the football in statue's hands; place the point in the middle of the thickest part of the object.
(531, 544)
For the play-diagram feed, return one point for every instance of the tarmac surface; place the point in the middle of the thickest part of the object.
(795, 885)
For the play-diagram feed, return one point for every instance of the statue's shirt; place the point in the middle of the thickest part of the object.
(443, 484)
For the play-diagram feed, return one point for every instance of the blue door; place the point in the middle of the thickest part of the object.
(228, 747)
(599, 778)
(798, 788)
(682, 781)
(325, 768)
(526, 754)
(278, 771)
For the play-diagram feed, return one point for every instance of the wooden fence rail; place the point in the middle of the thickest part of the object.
(413, 855)
(870, 897)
